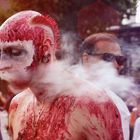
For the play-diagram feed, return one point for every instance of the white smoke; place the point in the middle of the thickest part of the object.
(132, 50)
(138, 12)
(69, 47)
(61, 77)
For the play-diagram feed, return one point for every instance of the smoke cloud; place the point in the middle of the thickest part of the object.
(63, 77)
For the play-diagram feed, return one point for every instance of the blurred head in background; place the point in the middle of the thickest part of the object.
(102, 47)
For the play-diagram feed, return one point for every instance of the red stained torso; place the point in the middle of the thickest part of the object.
(66, 118)
(49, 122)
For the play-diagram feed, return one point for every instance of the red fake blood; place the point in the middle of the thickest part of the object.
(108, 118)
(27, 26)
(51, 124)
(13, 106)
(53, 120)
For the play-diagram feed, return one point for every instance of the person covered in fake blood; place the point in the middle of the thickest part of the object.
(28, 41)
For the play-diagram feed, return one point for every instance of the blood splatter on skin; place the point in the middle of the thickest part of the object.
(27, 27)
(49, 123)
(67, 118)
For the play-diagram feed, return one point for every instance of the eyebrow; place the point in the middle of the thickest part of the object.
(11, 46)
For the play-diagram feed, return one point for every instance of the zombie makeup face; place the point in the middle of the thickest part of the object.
(15, 58)
(27, 39)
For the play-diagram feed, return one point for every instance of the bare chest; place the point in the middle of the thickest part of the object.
(47, 122)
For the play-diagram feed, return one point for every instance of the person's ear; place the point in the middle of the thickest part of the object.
(47, 49)
(46, 58)
(85, 58)
(48, 43)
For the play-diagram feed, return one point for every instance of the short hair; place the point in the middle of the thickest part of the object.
(89, 43)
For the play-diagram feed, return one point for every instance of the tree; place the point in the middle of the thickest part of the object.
(65, 11)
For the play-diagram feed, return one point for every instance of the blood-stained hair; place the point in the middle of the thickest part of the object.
(30, 25)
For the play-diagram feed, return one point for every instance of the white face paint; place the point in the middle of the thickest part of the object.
(15, 57)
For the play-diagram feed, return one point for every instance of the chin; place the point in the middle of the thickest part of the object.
(21, 84)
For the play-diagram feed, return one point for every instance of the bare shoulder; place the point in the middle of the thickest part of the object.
(17, 107)
(102, 115)
(96, 100)
(20, 98)
(93, 106)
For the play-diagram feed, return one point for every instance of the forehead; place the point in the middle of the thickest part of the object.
(105, 46)
(24, 29)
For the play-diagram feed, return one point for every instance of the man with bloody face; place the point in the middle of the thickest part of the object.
(27, 42)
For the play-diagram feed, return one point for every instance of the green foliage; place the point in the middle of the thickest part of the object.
(127, 7)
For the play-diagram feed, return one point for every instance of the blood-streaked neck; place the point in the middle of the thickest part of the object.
(41, 92)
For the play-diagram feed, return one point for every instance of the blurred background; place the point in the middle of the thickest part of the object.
(82, 16)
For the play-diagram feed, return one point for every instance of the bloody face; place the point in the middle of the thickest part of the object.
(15, 58)
(25, 39)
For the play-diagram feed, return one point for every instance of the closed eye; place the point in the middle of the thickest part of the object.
(13, 52)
